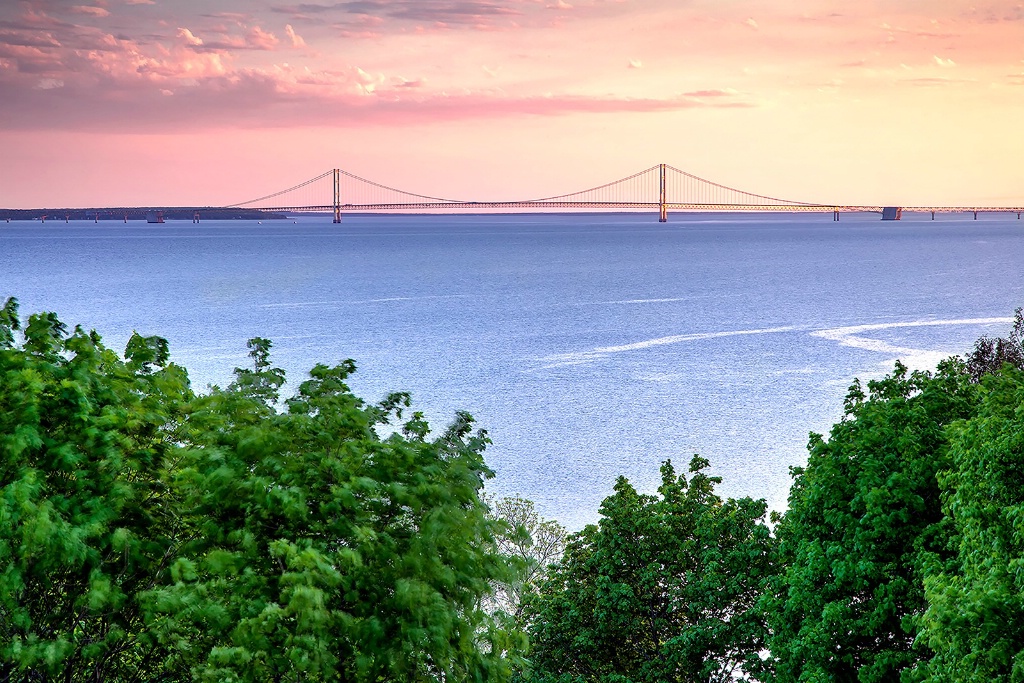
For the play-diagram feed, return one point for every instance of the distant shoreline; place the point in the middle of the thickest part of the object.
(137, 213)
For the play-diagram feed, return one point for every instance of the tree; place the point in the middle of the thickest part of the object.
(989, 354)
(975, 617)
(86, 524)
(534, 543)
(864, 521)
(148, 534)
(664, 589)
(327, 552)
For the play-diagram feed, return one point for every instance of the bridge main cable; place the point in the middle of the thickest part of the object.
(281, 192)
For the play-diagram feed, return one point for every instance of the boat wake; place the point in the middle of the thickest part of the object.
(581, 357)
(851, 336)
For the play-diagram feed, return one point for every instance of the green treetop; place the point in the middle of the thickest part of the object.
(864, 520)
(975, 618)
(663, 590)
(148, 534)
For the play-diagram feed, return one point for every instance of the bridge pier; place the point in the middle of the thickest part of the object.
(195, 217)
(933, 215)
(835, 215)
(975, 215)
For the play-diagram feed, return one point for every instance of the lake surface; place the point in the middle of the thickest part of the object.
(588, 345)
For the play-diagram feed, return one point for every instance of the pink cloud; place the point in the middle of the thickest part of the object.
(254, 39)
(258, 39)
(189, 38)
(209, 95)
(716, 92)
(90, 10)
(296, 39)
(28, 38)
(439, 15)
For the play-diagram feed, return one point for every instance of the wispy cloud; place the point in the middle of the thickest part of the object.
(91, 10)
(714, 92)
(433, 14)
(295, 38)
(254, 38)
(285, 97)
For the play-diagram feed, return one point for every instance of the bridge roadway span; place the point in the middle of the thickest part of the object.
(654, 206)
(445, 207)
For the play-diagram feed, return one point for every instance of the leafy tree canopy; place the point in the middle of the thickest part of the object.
(664, 589)
(864, 521)
(975, 618)
(150, 534)
(989, 355)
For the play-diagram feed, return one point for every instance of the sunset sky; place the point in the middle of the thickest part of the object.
(192, 102)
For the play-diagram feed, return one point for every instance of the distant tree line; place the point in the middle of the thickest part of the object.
(137, 214)
(152, 533)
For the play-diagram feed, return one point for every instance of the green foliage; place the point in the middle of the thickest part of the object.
(148, 534)
(325, 551)
(975, 617)
(86, 523)
(864, 522)
(989, 355)
(665, 589)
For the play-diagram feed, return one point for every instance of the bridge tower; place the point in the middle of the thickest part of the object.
(337, 195)
(662, 209)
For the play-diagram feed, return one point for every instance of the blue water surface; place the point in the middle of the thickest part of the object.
(590, 346)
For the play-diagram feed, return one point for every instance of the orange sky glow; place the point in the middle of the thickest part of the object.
(187, 102)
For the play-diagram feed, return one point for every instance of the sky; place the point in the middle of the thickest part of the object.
(191, 102)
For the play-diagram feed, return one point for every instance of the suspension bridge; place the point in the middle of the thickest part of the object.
(661, 188)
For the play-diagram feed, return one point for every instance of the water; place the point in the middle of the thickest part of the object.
(589, 346)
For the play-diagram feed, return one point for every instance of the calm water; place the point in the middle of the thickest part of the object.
(589, 346)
